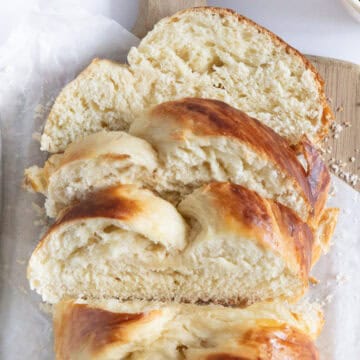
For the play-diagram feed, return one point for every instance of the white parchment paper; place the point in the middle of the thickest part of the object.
(46, 52)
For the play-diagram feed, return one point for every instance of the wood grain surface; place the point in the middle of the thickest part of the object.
(342, 79)
(342, 82)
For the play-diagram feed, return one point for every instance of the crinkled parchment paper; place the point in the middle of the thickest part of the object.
(45, 53)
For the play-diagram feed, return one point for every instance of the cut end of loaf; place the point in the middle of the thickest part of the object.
(226, 48)
(203, 52)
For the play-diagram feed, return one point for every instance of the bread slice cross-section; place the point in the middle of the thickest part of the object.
(126, 243)
(97, 161)
(200, 140)
(201, 52)
(167, 331)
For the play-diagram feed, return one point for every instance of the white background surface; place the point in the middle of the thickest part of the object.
(318, 27)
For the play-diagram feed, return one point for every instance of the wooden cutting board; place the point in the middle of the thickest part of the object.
(342, 84)
(342, 79)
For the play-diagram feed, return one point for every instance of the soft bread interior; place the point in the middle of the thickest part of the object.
(199, 140)
(100, 259)
(184, 166)
(141, 330)
(208, 53)
(195, 161)
(98, 99)
(219, 55)
(98, 161)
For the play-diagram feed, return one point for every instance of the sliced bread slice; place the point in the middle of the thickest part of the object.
(196, 141)
(200, 140)
(98, 161)
(126, 243)
(200, 52)
(163, 331)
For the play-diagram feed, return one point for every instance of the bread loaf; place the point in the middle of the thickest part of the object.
(97, 161)
(140, 330)
(126, 243)
(201, 52)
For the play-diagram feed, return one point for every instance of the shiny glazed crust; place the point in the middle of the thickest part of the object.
(131, 206)
(205, 117)
(88, 332)
(273, 225)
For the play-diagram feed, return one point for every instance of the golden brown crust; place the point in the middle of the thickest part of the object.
(225, 356)
(318, 178)
(280, 342)
(277, 341)
(84, 328)
(84, 331)
(114, 145)
(205, 117)
(109, 203)
(325, 229)
(33, 180)
(36, 179)
(274, 225)
(327, 115)
(268, 342)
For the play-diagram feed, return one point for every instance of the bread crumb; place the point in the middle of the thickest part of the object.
(339, 109)
(341, 279)
(313, 280)
(39, 111)
(352, 159)
(328, 299)
(332, 191)
(338, 169)
(335, 168)
(336, 128)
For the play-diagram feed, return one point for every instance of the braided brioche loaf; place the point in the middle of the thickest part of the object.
(140, 330)
(201, 52)
(198, 202)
